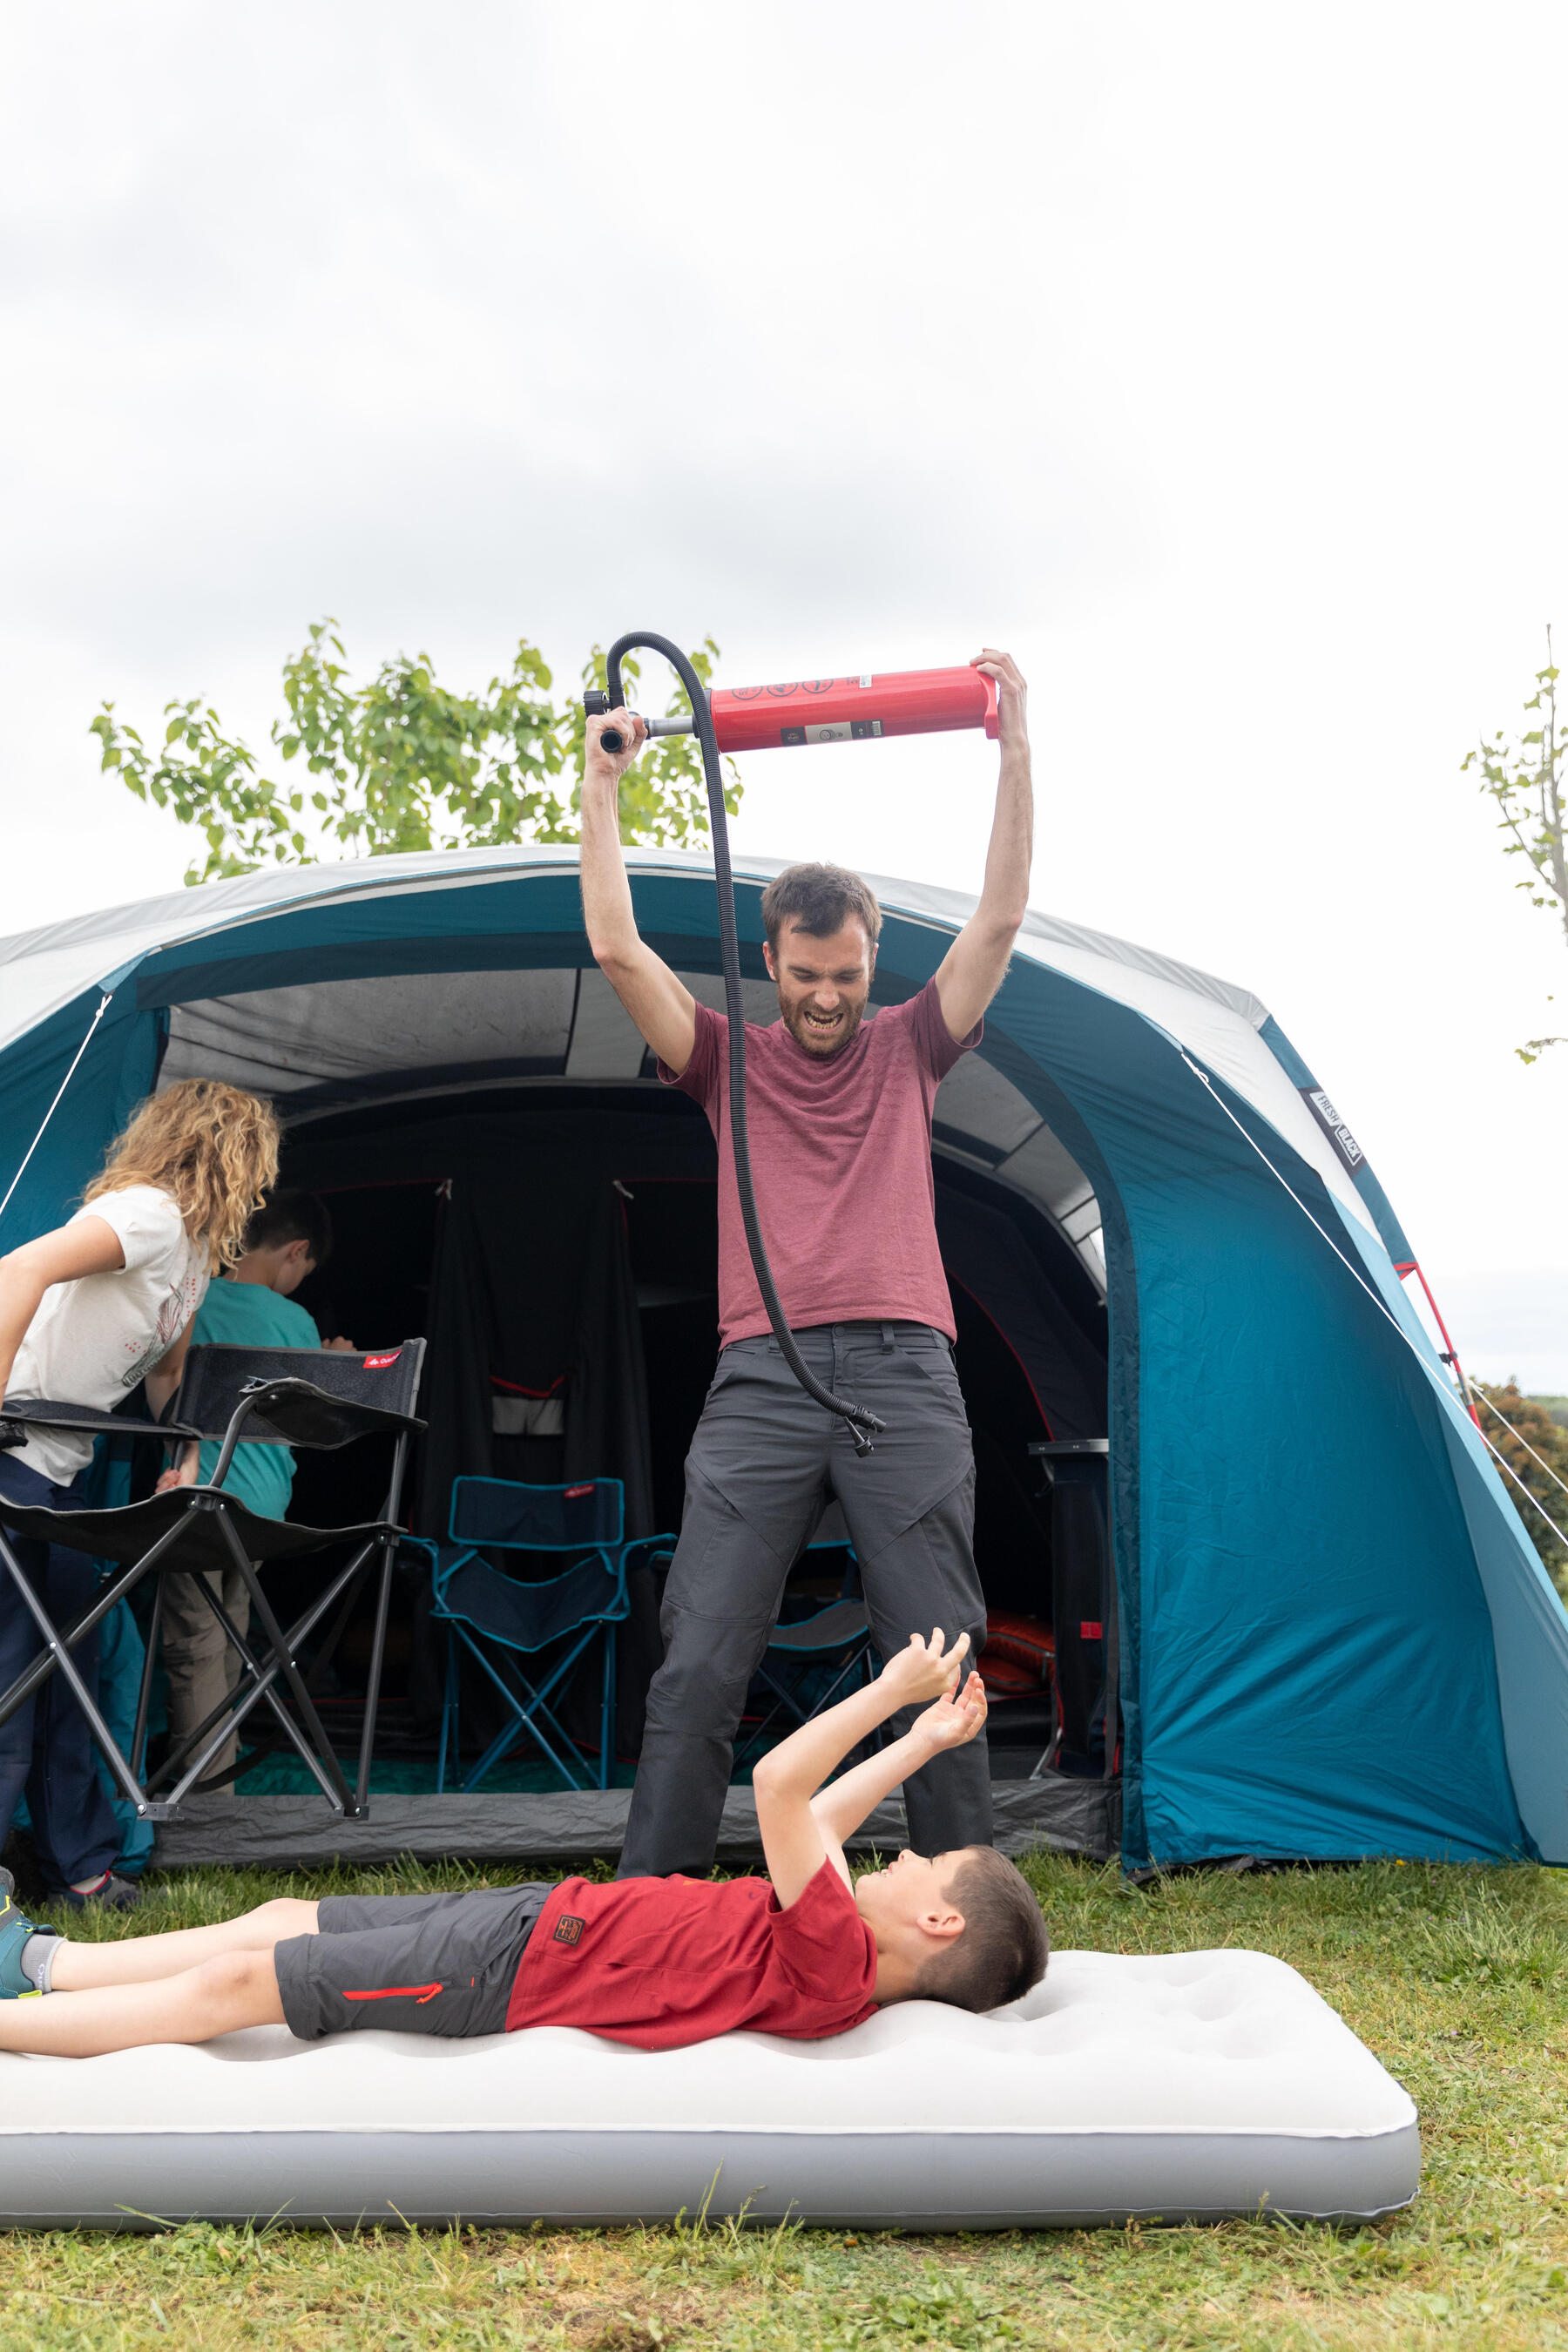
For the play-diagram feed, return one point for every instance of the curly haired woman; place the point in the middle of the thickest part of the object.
(86, 1313)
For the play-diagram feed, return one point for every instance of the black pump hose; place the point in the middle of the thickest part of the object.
(858, 1418)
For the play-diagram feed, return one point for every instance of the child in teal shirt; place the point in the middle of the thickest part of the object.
(287, 1239)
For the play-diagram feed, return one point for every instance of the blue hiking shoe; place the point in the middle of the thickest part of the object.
(15, 1929)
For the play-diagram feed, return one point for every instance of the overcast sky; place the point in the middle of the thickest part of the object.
(1210, 357)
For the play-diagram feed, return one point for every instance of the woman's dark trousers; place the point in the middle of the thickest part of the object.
(763, 1463)
(46, 1750)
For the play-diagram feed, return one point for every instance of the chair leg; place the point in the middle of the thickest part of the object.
(449, 1715)
(608, 1708)
(332, 1778)
(231, 1713)
(18, 1693)
(523, 1719)
(373, 1688)
(59, 1649)
(145, 1693)
(228, 1716)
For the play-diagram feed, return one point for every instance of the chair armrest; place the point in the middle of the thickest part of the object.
(22, 1413)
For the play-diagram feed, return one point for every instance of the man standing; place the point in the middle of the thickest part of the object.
(840, 1112)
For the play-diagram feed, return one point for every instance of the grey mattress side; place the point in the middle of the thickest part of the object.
(911, 2179)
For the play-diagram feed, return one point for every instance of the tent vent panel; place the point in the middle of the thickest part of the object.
(340, 1041)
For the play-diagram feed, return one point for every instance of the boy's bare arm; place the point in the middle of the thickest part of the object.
(795, 1842)
(660, 1002)
(951, 1721)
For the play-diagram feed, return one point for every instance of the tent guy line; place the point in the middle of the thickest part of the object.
(1405, 1340)
(103, 1006)
(1529, 1449)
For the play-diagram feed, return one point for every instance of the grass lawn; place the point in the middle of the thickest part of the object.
(1457, 1977)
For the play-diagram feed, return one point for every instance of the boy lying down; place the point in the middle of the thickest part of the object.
(657, 1962)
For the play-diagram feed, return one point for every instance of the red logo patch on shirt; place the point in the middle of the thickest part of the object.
(379, 1363)
(568, 1929)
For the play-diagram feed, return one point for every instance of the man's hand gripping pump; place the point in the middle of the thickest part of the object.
(748, 718)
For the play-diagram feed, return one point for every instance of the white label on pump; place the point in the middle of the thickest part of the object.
(832, 731)
(865, 677)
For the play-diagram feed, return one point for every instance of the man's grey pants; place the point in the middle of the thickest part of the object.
(763, 1465)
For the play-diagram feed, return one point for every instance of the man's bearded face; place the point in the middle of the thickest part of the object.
(823, 983)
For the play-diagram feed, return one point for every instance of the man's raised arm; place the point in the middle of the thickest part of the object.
(975, 965)
(662, 1006)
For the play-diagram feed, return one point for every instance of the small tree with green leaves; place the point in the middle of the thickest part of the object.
(1526, 780)
(401, 763)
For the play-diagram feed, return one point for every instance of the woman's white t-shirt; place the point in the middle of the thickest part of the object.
(92, 1339)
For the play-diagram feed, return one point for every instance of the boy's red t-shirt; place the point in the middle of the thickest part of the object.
(660, 1962)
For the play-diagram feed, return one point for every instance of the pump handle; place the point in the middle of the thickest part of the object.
(595, 703)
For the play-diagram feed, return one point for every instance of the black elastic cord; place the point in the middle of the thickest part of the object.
(857, 1417)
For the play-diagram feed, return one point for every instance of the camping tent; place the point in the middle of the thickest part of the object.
(1334, 1637)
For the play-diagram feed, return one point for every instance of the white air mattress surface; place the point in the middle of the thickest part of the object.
(1199, 2085)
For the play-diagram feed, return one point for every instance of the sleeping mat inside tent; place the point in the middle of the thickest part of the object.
(1186, 2088)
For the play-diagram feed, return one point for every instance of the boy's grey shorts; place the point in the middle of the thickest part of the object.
(409, 1963)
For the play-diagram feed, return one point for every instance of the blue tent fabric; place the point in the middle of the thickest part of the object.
(1336, 1639)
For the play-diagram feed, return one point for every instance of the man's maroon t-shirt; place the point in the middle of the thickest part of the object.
(841, 1162)
(660, 1962)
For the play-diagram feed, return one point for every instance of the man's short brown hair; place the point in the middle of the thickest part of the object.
(1004, 1949)
(819, 901)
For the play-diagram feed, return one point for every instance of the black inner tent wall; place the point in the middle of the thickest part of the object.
(561, 1244)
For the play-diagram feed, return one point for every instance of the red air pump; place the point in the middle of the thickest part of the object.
(854, 710)
(758, 719)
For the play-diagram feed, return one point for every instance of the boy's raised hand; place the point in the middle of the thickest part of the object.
(924, 1669)
(956, 1718)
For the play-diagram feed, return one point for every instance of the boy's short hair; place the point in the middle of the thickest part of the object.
(819, 899)
(285, 1216)
(1004, 1949)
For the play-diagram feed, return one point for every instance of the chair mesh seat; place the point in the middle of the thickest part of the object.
(528, 1616)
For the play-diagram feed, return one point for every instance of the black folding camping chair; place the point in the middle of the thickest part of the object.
(318, 1399)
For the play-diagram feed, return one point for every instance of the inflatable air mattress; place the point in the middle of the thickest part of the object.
(1189, 2088)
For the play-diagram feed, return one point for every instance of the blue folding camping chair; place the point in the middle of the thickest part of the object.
(497, 1619)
